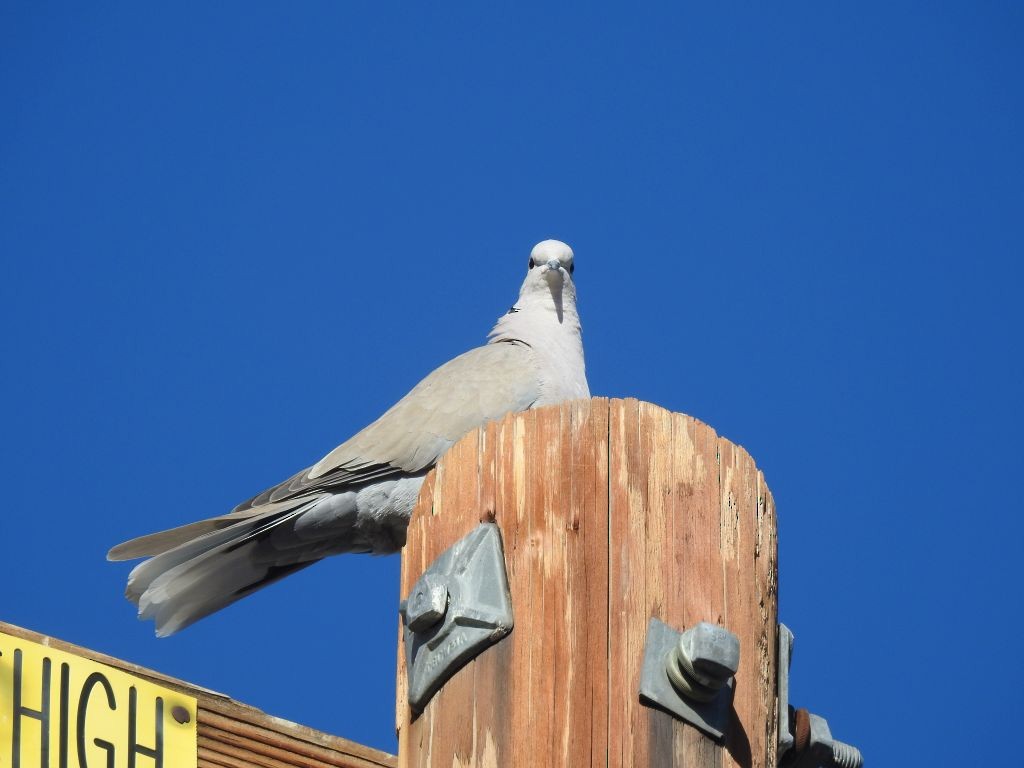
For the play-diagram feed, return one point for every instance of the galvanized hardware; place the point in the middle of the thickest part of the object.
(805, 740)
(428, 602)
(691, 674)
(814, 747)
(459, 606)
(785, 659)
(705, 658)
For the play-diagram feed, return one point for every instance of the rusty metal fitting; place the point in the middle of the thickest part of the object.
(814, 747)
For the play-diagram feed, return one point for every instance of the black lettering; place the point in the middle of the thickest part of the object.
(62, 753)
(134, 748)
(42, 715)
(83, 706)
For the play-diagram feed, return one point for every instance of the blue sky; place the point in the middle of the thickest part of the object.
(232, 233)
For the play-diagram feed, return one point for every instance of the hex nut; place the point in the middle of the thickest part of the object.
(427, 604)
(665, 685)
(711, 654)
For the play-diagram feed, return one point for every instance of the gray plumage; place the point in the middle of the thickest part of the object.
(358, 498)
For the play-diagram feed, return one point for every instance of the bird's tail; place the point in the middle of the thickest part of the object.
(182, 585)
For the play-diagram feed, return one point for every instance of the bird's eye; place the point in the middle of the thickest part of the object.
(531, 265)
(572, 267)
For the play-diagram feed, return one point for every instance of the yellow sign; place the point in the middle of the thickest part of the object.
(58, 710)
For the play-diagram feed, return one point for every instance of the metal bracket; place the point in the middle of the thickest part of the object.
(711, 715)
(805, 740)
(459, 606)
(785, 660)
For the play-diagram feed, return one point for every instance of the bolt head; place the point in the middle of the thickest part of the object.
(820, 741)
(711, 651)
(427, 604)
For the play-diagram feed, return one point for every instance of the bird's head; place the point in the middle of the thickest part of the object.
(548, 284)
(553, 259)
(550, 271)
(547, 292)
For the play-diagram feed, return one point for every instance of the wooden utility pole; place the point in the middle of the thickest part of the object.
(611, 512)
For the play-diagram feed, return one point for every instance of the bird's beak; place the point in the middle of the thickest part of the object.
(553, 266)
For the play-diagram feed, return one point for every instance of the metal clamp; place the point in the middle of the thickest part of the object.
(782, 673)
(459, 606)
(691, 674)
(805, 740)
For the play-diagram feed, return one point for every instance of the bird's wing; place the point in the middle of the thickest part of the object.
(477, 386)
(482, 384)
(473, 388)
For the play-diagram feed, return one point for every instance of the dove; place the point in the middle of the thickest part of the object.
(359, 497)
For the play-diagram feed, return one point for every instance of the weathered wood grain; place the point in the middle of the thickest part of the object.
(611, 511)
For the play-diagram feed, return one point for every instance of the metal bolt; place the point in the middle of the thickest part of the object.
(427, 604)
(703, 661)
(814, 746)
